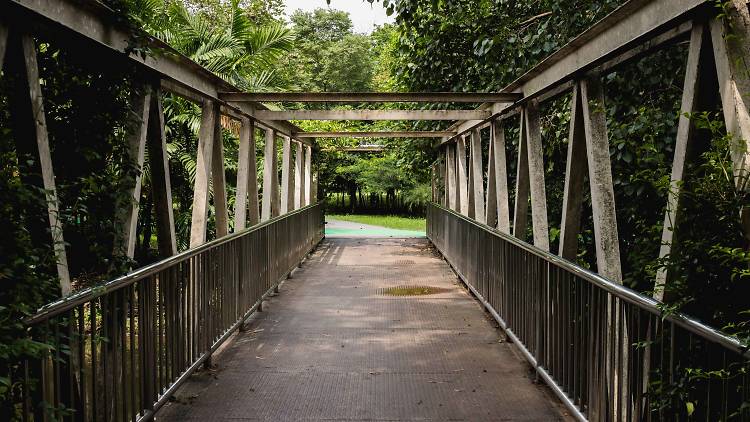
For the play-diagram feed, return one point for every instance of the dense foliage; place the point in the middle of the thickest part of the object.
(435, 45)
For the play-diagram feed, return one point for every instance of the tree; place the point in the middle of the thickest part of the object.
(328, 56)
(321, 25)
(240, 52)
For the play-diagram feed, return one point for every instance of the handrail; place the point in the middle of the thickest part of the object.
(65, 304)
(117, 351)
(608, 352)
(645, 302)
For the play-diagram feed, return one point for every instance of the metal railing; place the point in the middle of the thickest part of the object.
(608, 352)
(121, 349)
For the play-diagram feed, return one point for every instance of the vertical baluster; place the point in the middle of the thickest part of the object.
(134, 379)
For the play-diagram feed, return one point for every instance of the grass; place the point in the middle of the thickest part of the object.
(389, 221)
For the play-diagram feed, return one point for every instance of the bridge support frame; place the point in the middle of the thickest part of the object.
(30, 128)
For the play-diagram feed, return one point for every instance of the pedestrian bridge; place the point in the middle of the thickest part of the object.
(475, 322)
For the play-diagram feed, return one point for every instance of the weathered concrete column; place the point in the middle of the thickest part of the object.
(309, 198)
(463, 182)
(269, 174)
(127, 214)
(450, 171)
(575, 172)
(299, 179)
(443, 174)
(699, 93)
(276, 202)
(247, 179)
(600, 180)
(477, 176)
(209, 118)
(440, 169)
(731, 46)
(218, 177)
(521, 202)
(161, 182)
(287, 178)
(32, 140)
(433, 183)
(536, 177)
(498, 178)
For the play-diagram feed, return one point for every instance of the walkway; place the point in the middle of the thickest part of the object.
(332, 346)
(340, 228)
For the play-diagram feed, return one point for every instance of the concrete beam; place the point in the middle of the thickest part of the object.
(309, 198)
(394, 134)
(450, 177)
(247, 178)
(498, 180)
(521, 202)
(373, 97)
(462, 178)
(30, 127)
(477, 176)
(537, 187)
(634, 28)
(137, 137)
(699, 93)
(269, 174)
(287, 178)
(378, 148)
(203, 168)
(575, 173)
(299, 179)
(161, 182)
(372, 114)
(96, 23)
(600, 180)
(631, 24)
(219, 183)
(731, 55)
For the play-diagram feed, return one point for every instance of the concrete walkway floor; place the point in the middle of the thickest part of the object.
(332, 346)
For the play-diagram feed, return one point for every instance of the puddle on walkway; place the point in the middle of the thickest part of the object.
(411, 291)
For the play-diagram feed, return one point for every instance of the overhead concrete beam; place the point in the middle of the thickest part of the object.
(395, 134)
(373, 97)
(378, 148)
(96, 23)
(635, 27)
(372, 114)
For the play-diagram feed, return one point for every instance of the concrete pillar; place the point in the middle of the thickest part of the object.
(299, 179)
(218, 177)
(247, 179)
(269, 174)
(309, 198)
(477, 176)
(287, 178)
(209, 118)
(463, 182)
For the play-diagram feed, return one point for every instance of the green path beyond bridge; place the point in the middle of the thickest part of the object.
(334, 343)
